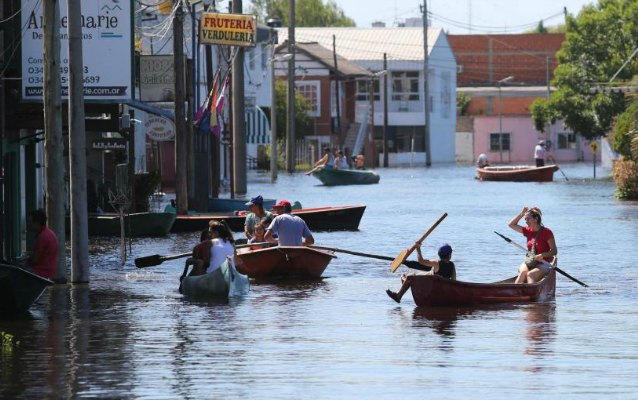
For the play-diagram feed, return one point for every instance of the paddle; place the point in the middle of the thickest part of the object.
(559, 168)
(409, 264)
(556, 268)
(396, 263)
(156, 259)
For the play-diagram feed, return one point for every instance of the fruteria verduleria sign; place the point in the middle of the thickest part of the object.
(228, 29)
(107, 50)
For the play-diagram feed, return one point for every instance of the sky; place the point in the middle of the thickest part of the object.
(465, 16)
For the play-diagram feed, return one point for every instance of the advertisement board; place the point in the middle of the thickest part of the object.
(228, 29)
(157, 78)
(107, 48)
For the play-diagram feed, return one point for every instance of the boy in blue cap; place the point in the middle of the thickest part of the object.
(257, 213)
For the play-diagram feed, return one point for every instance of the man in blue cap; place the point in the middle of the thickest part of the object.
(256, 215)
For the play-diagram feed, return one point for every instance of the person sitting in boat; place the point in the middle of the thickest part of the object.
(341, 162)
(260, 233)
(482, 161)
(222, 246)
(290, 229)
(540, 242)
(539, 154)
(44, 258)
(443, 267)
(201, 255)
(360, 162)
(328, 159)
(257, 213)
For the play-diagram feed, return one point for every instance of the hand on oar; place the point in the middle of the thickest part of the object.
(556, 268)
(396, 263)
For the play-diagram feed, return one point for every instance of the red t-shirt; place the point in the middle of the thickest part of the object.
(45, 261)
(542, 243)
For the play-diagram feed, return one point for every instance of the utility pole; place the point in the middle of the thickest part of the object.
(181, 138)
(337, 100)
(426, 92)
(53, 145)
(385, 111)
(239, 123)
(290, 139)
(77, 149)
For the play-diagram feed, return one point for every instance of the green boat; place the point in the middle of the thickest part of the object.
(221, 283)
(19, 288)
(143, 224)
(334, 177)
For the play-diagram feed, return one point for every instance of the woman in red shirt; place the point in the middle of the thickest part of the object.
(540, 240)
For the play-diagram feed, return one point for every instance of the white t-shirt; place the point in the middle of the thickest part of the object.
(218, 253)
(539, 151)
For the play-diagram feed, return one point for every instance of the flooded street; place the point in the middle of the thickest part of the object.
(130, 334)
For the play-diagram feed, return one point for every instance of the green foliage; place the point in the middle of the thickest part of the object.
(540, 28)
(598, 41)
(625, 130)
(462, 102)
(303, 122)
(542, 114)
(307, 12)
(146, 184)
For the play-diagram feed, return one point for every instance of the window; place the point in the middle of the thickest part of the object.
(405, 85)
(363, 90)
(566, 141)
(311, 91)
(495, 143)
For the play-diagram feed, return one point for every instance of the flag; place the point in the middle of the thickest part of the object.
(217, 109)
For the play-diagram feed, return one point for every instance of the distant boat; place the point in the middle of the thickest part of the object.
(143, 224)
(433, 290)
(221, 283)
(19, 288)
(335, 177)
(332, 218)
(283, 262)
(517, 173)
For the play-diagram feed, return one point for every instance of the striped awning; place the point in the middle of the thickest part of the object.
(257, 126)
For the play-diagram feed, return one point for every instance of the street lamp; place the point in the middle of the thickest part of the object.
(273, 115)
(500, 115)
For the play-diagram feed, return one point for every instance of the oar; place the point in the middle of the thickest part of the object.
(406, 253)
(409, 264)
(556, 268)
(156, 259)
(559, 168)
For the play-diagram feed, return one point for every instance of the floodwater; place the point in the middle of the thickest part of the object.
(130, 334)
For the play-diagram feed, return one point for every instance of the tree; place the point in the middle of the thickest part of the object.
(540, 28)
(303, 122)
(597, 43)
(307, 12)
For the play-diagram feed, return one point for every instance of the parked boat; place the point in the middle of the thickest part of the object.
(283, 262)
(433, 290)
(517, 173)
(19, 288)
(221, 283)
(141, 224)
(334, 177)
(333, 218)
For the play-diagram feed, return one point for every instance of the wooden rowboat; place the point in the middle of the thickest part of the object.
(517, 173)
(283, 262)
(433, 290)
(335, 177)
(221, 283)
(333, 218)
(19, 288)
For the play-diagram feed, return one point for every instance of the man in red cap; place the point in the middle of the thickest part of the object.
(290, 229)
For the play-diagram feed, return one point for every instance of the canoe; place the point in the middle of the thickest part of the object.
(433, 290)
(335, 177)
(283, 262)
(19, 288)
(334, 218)
(221, 283)
(517, 173)
(143, 224)
(216, 204)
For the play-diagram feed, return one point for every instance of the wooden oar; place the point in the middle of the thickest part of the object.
(559, 168)
(409, 264)
(396, 263)
(556, 268)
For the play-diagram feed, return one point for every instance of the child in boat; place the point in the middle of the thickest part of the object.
(260, 233)
(442, 267)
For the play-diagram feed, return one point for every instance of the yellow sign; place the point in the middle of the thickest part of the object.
(228, 29)
(165, 7)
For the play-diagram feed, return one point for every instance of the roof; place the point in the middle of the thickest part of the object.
(325, 57)
(362, 44)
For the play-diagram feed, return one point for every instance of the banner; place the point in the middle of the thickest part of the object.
(228, 29)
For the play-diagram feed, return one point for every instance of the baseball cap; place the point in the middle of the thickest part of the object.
(541, 142)
(256, 201)
(282, 203)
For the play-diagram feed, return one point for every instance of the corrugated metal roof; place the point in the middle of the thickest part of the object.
(363, 44)
(324, 56)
